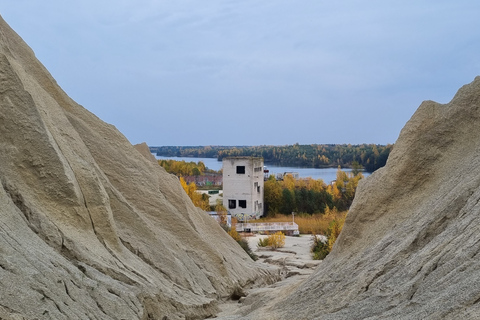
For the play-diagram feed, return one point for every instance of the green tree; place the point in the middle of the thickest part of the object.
(356, 168)
(288, 202)
(196, 171)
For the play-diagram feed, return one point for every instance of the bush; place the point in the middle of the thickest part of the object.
(333, 232)
(322, 246)
(319, 247)
(234, 234)
(263, 242)
(276, 240)
(244, 244)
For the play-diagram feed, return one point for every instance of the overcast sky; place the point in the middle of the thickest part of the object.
(253, 72)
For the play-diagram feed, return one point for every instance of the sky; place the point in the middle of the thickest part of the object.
(225, 72)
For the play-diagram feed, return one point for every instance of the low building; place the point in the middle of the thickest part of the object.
(281, 176)
(205, 180)
(243, 187)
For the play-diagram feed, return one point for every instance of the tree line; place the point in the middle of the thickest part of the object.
(184, 168)
(370, 157)
(310, 196)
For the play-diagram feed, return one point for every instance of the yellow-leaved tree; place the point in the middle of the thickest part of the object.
(289, 182)
(334, 231)
(222, 214)
(197, 199)
(273, 194)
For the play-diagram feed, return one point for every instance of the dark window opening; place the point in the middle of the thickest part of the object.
(240, 169)
(242, 203)
(232, 204)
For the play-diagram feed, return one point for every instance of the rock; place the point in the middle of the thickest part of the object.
(89, 228)
(411, 241)
(292, 273)
(238, 293)
(145, 151)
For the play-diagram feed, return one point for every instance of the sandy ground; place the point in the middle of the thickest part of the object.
(295, 255)
(295, 262)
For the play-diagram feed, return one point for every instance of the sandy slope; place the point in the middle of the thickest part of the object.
(90, 228)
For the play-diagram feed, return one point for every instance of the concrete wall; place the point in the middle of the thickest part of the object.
(243, 187)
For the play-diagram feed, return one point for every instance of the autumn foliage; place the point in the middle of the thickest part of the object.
(221, 214)
(309, 195)
(321, 248)
(183, 168)
(276, 240)
(198, 199)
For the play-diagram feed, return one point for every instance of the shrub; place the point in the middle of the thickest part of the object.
(333, 232)
(263, 242)
(319, 247)
(234, 234)
(244, 244)
(322, 246)
(276, 240)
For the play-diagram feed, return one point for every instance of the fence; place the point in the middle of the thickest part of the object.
(267, 226)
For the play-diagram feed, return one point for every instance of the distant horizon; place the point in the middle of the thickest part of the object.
(269, 145)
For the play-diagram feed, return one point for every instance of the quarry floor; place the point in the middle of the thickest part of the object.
(295, 262)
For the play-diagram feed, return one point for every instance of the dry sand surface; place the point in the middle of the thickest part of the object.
(295, 262)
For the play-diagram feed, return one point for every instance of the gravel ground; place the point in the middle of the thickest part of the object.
(295, 262)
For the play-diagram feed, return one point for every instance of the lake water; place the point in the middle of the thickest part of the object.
(326, 174)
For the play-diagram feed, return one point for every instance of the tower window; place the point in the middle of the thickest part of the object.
(242, 203)
(232, 204)
(240, 169)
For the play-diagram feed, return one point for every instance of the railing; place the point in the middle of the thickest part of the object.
(267, 226)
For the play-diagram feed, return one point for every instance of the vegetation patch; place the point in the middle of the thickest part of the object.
(199, 200)
(184, 168)
(276, 240)
(308, 223)
(322, 245)
(308, 195)
(240, 240)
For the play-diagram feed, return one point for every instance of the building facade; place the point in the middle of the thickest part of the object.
(243, 187)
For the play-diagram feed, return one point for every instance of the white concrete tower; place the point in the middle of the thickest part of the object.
(243, 187)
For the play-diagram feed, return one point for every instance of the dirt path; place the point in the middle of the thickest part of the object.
(296, 264)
